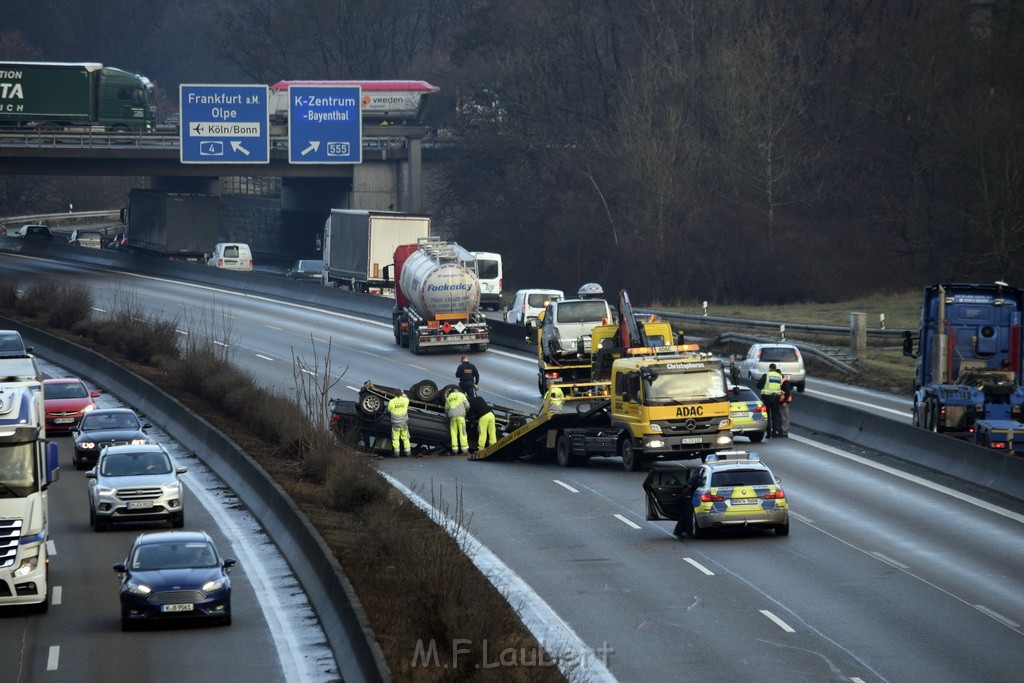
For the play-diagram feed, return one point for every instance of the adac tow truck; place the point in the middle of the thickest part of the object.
(967, 380)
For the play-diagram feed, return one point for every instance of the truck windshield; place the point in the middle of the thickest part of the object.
(678, 385)
(17, 470)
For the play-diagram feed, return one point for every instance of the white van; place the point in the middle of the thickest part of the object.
(528, 304)
(488, 272)
(231, 256)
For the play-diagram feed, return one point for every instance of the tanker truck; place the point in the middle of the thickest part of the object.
(437, 297)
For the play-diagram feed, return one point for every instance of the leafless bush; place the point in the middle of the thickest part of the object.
(8, 294)
(55, 303)
(139, 336)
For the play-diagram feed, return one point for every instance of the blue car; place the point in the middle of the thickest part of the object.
(174, 576)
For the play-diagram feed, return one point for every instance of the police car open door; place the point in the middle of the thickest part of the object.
(663, 489)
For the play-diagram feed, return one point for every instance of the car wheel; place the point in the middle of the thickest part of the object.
(782, 529)
(370, 405)
(127, 624)
(178, 522)
(541, 385)
(414, 344)
(478, 347)
(398, 333)
(74, 461)
(756, 438)
(425, 391)
(934, 420)
(563, 450)
(915, 414)
(227, 620)
(631, 460)
(695, 530)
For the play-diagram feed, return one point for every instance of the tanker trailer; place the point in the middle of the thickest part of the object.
(437, 297)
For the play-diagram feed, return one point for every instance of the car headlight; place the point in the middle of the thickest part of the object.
(139, 442)
(87, 445)
(27, 566)
(139, 589)
(725, 423)
(724, 440)
(211, 586)
(88, 409)
(171, 489)
(105, 490)
(656, 428)
(655, 443)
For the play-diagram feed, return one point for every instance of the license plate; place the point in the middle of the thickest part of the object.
(139, 504)
(692, 439)
(183, 607)
(63, 420)
(744, 501)
(743, 414)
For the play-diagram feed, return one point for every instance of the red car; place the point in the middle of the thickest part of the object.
(66, 401)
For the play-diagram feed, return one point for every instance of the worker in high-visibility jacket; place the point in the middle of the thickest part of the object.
(487, 433)
(554, 397)
(785, 399)
(770, 386)
(398, 408)
(456, 405)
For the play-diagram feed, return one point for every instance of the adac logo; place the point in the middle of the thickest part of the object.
(690, 411)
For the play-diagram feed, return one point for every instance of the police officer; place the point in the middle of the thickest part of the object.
(686, 511)
(456, 405)
(398, 407)
(770, 386)
(468, 377)
(555, 396)
(784, 400)
(486, 432)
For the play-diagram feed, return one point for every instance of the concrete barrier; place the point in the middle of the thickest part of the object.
(982, 466)
(331, 595)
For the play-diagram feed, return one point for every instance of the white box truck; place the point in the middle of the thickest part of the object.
(360, 245)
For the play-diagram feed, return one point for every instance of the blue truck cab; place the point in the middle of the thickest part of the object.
(968, 362)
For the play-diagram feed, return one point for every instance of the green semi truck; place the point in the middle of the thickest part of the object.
(60, 95)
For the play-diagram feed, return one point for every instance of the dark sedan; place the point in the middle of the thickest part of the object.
(173, 576)
(307, 270)
(106, 427)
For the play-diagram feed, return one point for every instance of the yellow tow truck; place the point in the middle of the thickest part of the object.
(642, 403)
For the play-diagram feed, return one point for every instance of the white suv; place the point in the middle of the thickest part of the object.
(135, 484)
(528, 304)
(786, 358)
(570, 322)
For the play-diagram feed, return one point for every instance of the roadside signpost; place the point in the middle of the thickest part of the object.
(325, 124)
(224, 124)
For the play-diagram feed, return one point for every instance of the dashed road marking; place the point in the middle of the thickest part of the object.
(781, 624)
(626, 521)
(566, 486)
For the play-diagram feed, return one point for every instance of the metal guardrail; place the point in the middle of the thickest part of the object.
(806, 349)
(767, 324)
(113, 214)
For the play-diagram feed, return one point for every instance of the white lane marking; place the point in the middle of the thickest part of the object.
(56, 595)
(271, 327)
(566, 486)
(219, 343)
(801, 517)
(856, 679)
(260, 355)
(889, 560)
(183, 333)
(574, 657)
(626, 521)
(699, 566)
(51, 548)
(912, 478)
(309, 372)
(872, 407)
(781, 624)
(997, 616)
(287, 642)
(53, 658)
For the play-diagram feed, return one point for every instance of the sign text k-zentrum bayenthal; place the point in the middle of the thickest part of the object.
(325, 124)
(224, 124)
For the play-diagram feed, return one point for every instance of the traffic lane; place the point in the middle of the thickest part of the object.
(891, 406)
(85, 626)
(944, 535)
(625, 584)
(529, 539)
(269, 336)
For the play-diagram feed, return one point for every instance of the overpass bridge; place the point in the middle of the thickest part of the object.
(279, 208)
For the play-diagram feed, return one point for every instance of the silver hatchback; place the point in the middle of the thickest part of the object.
(135, 484)
(786, 357)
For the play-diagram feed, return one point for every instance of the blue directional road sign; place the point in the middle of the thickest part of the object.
(325, 124)
(224, 124)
